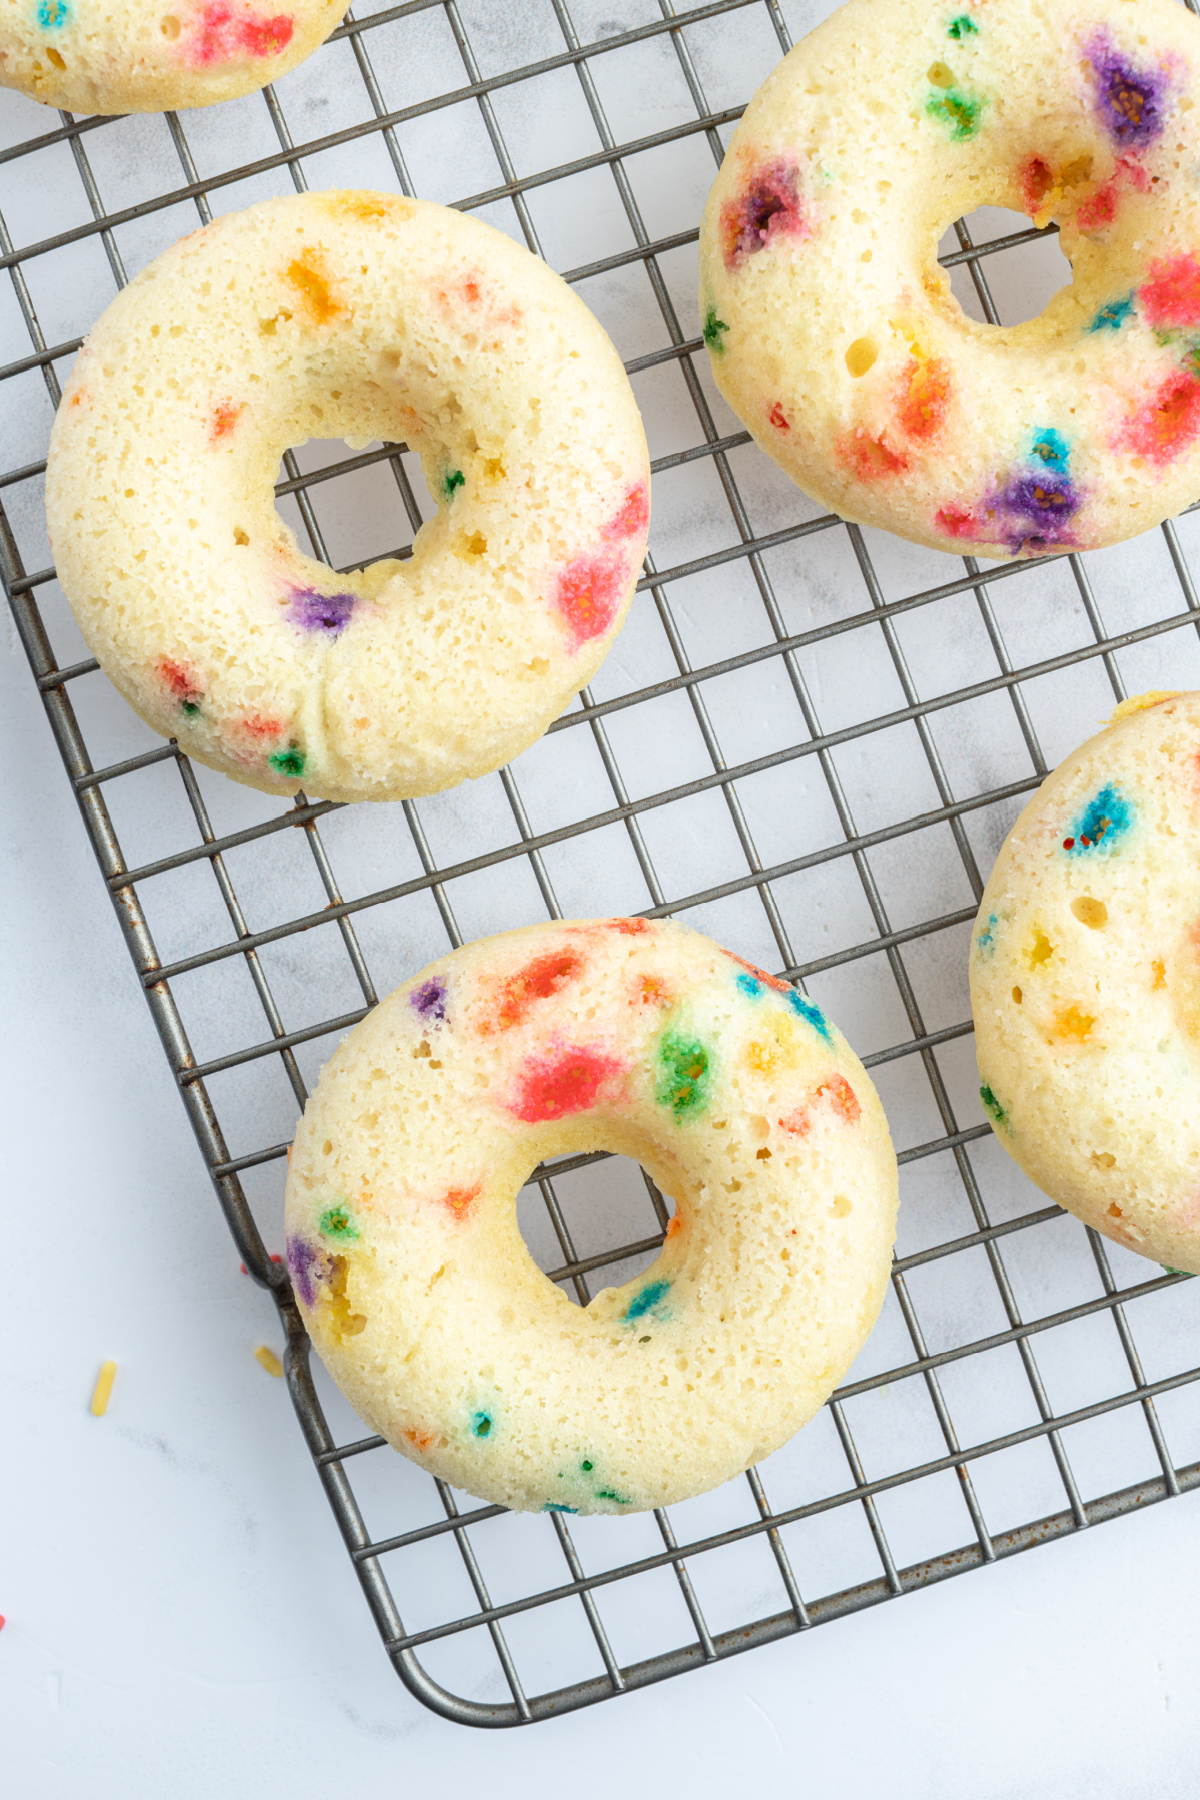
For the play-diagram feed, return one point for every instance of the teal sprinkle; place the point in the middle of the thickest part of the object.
(1103, 821)
(1051, 447)
(962, 112)
(451, 482)
(992, 1106)
(713, 327)
(749, 985)
(962, 27)
(987, 938)
(289, 762)
(557, 1506)
(1112, 316)
(52, 14)
(812, 1015)
(189, 709)
(481, 1424)
(644, 1302)
(335, 1222)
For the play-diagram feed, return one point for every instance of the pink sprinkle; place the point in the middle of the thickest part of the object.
(1172, 294)
(1167, 423)
(956, 522)
(633, 516)
(222, 34)
(589, 591)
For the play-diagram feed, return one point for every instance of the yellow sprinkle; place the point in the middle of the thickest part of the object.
(1139, 702)
(269, 1360)
(103, 1388)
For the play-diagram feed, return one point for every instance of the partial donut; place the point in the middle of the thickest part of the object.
(1085, 982)
(121, 56)
(362, 316)
(747, 1107)
(833, 331)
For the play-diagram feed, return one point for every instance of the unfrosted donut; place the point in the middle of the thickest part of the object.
(364, 316)
(119, 56)
(733, 1090)
(833, 331)
(1085, 982)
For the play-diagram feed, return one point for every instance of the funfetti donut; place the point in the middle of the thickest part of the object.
(364, 316)
(833, 331)
(120, 56)
(743, 1101)
(1085, 982)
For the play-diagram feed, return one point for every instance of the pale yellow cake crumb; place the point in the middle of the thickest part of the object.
(269, 1360)
(103, 1388)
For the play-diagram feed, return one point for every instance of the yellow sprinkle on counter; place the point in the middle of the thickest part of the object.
(269, 1360)
(103, 1388)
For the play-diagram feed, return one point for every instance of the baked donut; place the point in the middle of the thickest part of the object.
(736, 1094)
(121, 56)
(834, 334)
(365, 316)
(1085, 982)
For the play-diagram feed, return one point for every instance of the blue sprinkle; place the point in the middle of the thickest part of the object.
(1104, 820)
(986, 939)
(811, 1014)
(1051, 448)
(556, 1506)
(481, 1424)
(648, 1298)
(52, 14)
(749, 985)
(1112, 316)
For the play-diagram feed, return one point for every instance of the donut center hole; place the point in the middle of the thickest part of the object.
(1022, 279)
(351, 505)
(606, 1214)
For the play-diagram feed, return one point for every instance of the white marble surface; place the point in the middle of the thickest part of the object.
(181, 1617)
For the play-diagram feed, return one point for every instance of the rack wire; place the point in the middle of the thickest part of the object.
(809, 740)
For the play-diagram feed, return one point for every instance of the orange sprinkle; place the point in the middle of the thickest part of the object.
(459, 1201)
(1072, 1025)
(420, 1440)
(675, 1226)
(310, 281)
(225, 417)
(924, 397)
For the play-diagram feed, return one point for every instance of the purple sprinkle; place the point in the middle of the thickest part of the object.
(770, 207)
(306, 1267)
(1036, 511)
(320, 612)
(1130, 99)
(430, 999)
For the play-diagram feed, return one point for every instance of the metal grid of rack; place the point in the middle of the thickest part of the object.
(807, 741)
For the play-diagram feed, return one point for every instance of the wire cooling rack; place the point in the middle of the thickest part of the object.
(809, 741)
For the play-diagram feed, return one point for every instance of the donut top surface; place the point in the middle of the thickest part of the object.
(1085, 981)
(731, 1088)
(365, 316)
(118, 56)
(833, 330)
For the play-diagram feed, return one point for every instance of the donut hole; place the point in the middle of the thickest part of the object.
(605, 1211)
(1022, 279)
(368, 500)
(1090, 912)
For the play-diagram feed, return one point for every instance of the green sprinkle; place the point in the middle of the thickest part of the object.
(683, 1075)
(335, 1222)
(1168, 1270)
(962, 27)
(960, 111)
(288, 762)
(586, 1465)
(189, 709)
(607, 1494)
(454, 480)
(713, 327)
(992, 1106)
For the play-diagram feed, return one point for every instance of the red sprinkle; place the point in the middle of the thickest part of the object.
(1167, 423)
(538, 980)
(777, 418)
(634, 514)
(1068, 843)
(221, 35)
(589, 591)
(869, 457)
(569, 1082)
